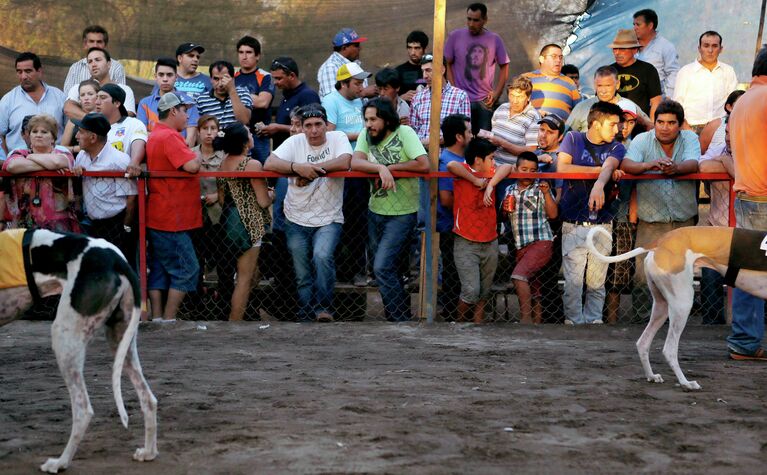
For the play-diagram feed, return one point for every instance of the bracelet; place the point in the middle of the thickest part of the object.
(291, 168)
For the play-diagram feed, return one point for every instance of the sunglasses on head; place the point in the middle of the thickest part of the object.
(278, 65)
(427, 58)
(313, 114)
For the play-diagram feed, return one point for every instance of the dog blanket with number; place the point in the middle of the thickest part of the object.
(747, 251)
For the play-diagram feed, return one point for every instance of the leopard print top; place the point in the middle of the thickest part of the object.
(254, 217)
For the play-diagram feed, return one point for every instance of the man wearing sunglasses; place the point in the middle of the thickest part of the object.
(295, 93)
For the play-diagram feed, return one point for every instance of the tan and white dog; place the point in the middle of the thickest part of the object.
(669, 266)
(98, 288)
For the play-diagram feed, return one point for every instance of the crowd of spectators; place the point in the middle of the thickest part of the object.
(648, 116)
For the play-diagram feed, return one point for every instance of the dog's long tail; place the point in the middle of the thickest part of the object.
(128, 337)
(610, 259)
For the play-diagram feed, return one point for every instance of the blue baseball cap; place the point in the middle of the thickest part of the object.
(347, 36)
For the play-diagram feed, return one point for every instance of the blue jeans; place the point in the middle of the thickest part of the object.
(313, 251)
(389, 235)
(747, 310)
(260, 150)
(278, 214)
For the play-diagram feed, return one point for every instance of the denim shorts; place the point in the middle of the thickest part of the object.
(172, 261)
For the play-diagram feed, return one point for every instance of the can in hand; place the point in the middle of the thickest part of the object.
(508, 203)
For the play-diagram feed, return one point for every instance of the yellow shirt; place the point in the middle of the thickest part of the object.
(11, 259)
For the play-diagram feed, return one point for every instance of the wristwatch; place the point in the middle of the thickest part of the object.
(127, 228)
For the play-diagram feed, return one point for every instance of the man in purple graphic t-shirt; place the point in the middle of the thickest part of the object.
(472, 54)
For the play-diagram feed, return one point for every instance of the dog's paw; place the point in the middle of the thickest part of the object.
(53, 466)
(691, 386)
(144, 455)
(655, 378)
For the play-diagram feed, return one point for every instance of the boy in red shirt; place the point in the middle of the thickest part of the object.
(476, 241)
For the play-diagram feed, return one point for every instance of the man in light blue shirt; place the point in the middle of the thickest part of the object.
(344, 109)
(31, 97)
(656, 49)
(663, 205)
(343, 105)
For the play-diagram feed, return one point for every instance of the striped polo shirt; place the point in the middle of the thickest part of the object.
(521, 129)
(222, 110)
(553, 95)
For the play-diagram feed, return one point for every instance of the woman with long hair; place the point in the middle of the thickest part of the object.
(245, 215)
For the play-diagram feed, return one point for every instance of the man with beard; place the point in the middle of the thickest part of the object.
(472, 54)
(383, 147)
(662, 205)
(410, 71)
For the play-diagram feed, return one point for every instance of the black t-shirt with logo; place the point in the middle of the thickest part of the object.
(639, 82)
(409, 74)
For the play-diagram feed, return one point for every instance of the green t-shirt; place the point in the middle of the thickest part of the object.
(401, 146)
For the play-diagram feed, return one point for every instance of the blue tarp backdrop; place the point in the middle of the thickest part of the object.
(681, 22)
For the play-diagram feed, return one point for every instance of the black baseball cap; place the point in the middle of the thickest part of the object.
(94, 122)
(553, 121)
(187, 47)
(118, 94)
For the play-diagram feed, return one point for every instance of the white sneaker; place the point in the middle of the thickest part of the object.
(569, 322)
(597, 322)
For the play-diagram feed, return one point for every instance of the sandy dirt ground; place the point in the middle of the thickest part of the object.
(383, 398)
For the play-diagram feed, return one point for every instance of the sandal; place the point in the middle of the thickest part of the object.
(758, 355)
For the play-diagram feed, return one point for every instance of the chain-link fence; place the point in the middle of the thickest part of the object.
(513, 259)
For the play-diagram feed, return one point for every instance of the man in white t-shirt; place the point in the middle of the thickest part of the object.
(127, 134)
(99, 63)
(313, 207)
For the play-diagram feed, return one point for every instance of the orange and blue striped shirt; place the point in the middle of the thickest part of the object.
(553, 95)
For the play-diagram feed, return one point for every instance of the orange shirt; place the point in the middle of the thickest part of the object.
(748, 138)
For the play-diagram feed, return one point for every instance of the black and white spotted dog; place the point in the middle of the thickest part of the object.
(97, 287)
